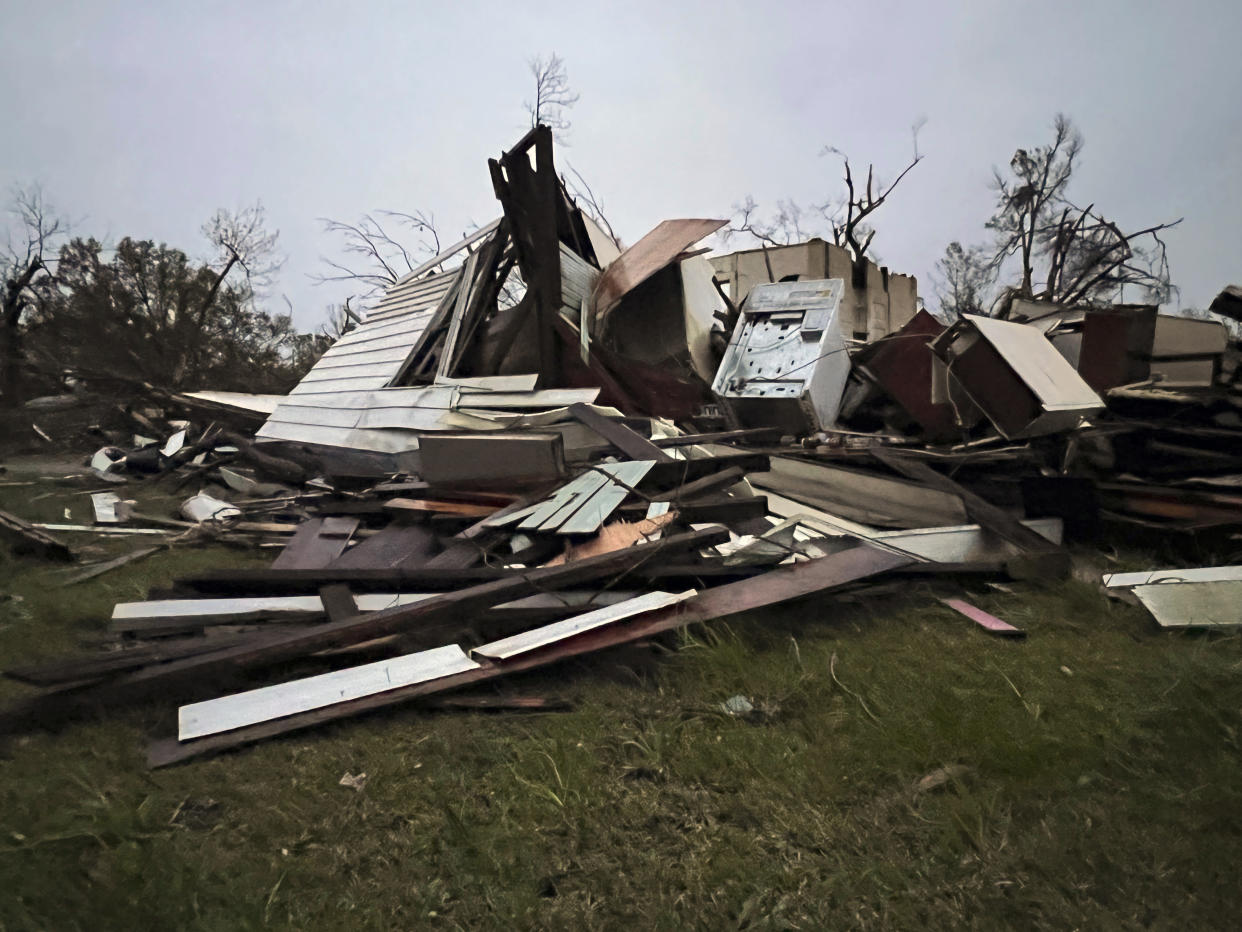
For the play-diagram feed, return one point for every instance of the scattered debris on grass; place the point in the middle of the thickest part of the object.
(538, 446)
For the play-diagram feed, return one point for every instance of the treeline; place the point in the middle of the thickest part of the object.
(79, 312)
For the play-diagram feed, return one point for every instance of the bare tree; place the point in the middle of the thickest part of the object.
(384, 258)
(341, 320)
(242, 241)
(553, 95)
(1067, 254)
(26, 261)
(588, 203)
(845, 217)
(963, 280)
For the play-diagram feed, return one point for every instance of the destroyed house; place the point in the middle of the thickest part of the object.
(509, 327)
(535, 402)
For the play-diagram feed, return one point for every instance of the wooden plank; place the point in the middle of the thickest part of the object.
(721, 509)
(316, 543)
(995, 519)
(395, 546)
(773, 587)
(265, 582)
(870, 498)
(464, 509)
(338, 602)
(430, 618)
(95, 666)
(710, 483)
(491, 460)
(25, 538)
(629, 442)
(678, 472)
(984, 620)
(447, 254)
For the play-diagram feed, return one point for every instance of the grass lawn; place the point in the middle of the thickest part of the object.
(1088, 777)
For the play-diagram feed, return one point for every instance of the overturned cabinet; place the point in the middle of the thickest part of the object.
(1015, 376)
(786, 364)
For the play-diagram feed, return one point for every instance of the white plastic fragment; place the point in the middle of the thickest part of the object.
(202, 507)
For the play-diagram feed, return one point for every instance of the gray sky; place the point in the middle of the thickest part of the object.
(141, 118)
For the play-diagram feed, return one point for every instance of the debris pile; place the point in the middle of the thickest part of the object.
(539, 445)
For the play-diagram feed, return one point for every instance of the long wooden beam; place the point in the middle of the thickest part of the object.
(438, 614)
(779, 585)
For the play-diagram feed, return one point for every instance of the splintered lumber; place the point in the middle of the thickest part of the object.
(465, 509)
(162, 617)
(984, 620)
(435, 617)
(781, 584)
(262, 582)
(267, 582)
(615, 536)
(629, 442)
(24, 537)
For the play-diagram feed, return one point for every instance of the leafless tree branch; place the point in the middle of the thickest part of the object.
(553, 95)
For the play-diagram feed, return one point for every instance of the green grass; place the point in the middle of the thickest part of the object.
(1094, 781)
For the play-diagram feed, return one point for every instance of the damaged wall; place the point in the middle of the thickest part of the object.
(875, 304)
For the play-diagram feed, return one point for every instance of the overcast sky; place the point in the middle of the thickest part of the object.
(141, 118)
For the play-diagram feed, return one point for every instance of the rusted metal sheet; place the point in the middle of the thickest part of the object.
(903, 365)
(646, 257)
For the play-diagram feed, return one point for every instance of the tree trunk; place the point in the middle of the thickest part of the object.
(13, 304)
